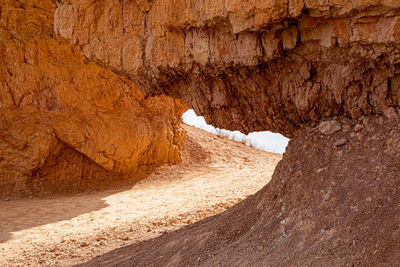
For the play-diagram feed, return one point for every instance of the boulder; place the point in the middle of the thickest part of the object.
(329, 127)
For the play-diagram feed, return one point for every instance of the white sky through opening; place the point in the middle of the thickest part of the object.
(268, 141)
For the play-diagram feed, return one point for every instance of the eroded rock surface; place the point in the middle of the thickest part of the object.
(249, 65)
(325, 206)
(67, 124)
(284, 66)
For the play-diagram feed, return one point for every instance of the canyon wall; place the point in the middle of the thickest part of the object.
(249, 65)
(67, 124)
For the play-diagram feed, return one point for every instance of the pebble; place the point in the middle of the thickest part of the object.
(390, 113)
(369, 125)
(358, 127)
(84, 244)
(346, 128)
(360, 136)
(340, 141)
(329, 127)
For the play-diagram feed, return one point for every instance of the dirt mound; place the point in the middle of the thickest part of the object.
(215, 174)
(334, 200)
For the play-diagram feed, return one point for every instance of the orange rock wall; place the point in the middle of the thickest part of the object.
(67, 124)
(249, 65)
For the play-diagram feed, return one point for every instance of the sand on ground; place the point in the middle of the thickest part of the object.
(215, 174)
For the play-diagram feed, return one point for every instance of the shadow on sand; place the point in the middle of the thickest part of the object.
(18, 215)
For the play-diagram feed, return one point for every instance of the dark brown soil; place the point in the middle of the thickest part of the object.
(326, 205)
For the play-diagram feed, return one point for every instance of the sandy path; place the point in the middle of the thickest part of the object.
(216, 173)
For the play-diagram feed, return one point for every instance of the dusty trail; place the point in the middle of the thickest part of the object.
(216, 173)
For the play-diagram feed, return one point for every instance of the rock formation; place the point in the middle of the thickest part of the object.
(67, 124)
(326, 73)
(249, 65)
(285, 66)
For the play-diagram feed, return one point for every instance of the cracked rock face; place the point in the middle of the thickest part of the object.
(67, 124)
(249, 65)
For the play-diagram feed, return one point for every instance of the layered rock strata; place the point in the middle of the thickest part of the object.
(249, 65)
(327, 204)
(67, 124)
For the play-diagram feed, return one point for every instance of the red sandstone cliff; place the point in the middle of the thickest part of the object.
(67, 124)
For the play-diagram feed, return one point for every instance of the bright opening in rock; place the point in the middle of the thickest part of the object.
(268, 141)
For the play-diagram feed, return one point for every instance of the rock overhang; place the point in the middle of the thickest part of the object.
(249, 65)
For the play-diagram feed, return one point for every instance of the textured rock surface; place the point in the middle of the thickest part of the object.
(325, 206)
(249, 65)
(67, 124)
(329, 127)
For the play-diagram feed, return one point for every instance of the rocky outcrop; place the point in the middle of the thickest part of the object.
(326, 205)
(67, 124)
(255, 65)
(249, 65)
